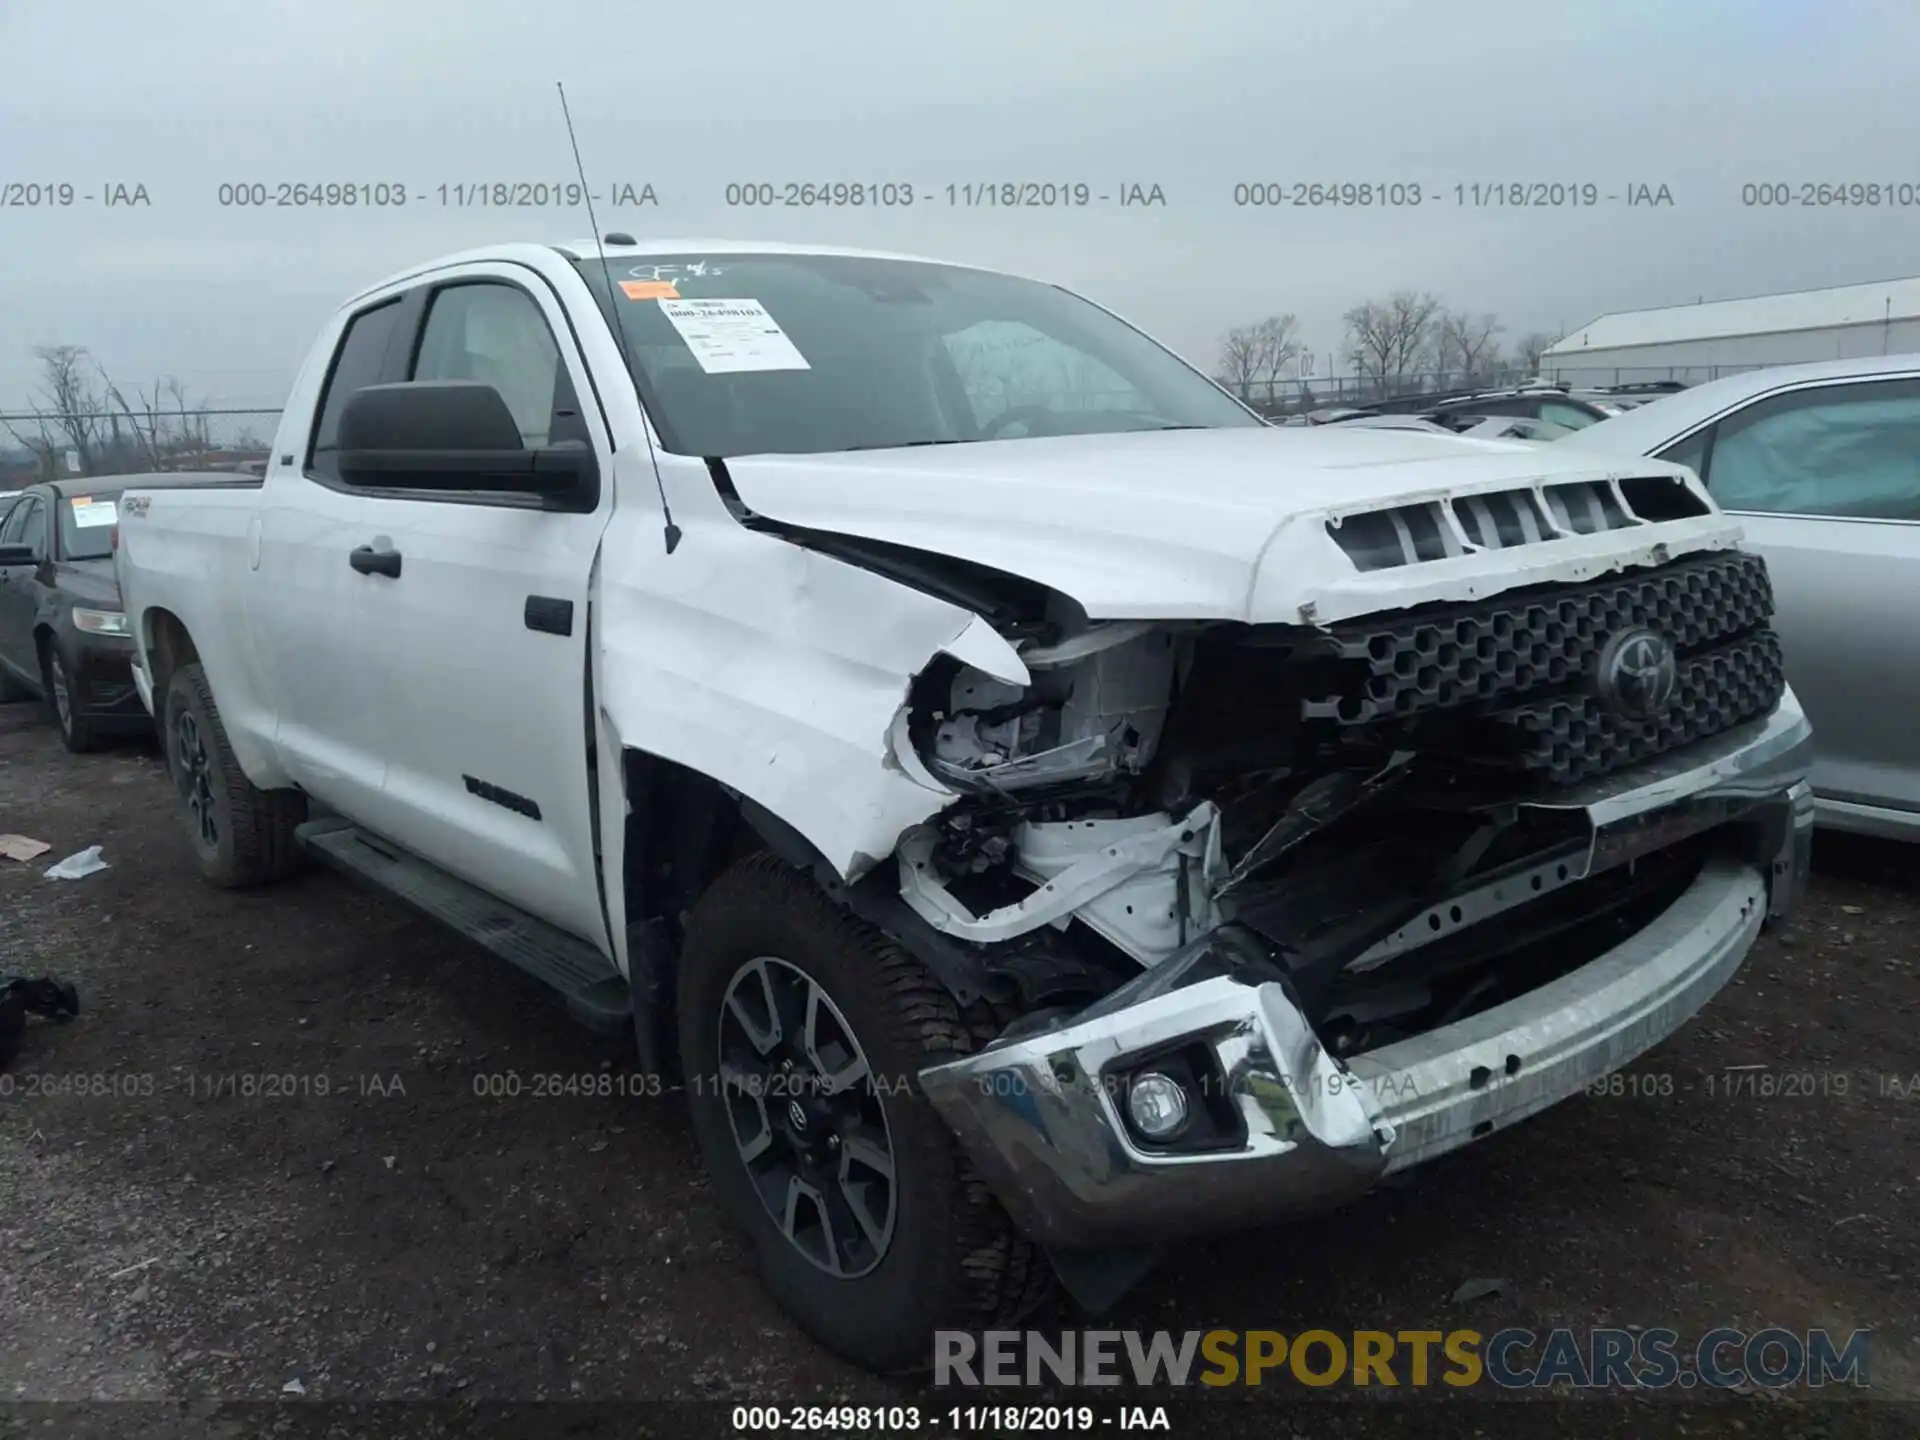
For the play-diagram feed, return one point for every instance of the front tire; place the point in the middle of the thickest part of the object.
(65, 699)
(803, 1031)
(241, 834)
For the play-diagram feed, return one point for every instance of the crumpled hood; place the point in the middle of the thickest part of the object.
(1203, 524)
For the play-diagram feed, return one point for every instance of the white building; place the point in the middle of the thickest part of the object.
(1699, 342)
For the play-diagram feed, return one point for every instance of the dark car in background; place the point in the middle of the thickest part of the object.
(1462, 409)
(63, 637)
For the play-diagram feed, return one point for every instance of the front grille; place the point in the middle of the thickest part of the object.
(1521, 666)
(1501, 519)
(1574, 737)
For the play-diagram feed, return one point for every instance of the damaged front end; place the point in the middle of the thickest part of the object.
(1331, 900)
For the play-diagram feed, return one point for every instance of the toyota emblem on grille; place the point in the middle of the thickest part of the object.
(1637, 674)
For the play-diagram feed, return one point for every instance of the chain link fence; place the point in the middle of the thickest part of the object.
(1292, 396)
(1323, 392)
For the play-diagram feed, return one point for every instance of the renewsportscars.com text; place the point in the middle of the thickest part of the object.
(1597, 1358)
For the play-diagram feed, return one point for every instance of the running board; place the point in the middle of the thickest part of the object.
(595, 993)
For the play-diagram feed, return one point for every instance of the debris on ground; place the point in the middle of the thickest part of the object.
(78, 866)
(1478, 1289)
(20, 997)
(22, 847)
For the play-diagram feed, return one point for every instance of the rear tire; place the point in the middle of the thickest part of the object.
(763, 935)
(241, 835)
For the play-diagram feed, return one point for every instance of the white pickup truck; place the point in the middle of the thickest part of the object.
(1034, 808)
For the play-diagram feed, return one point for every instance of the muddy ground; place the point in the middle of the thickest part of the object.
(371, 1227)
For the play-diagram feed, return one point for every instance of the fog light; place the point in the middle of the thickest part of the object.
(1157, 1106)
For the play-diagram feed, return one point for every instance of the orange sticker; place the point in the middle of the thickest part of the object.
(649, 289)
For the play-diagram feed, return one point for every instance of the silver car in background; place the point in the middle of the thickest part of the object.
(1822, 464)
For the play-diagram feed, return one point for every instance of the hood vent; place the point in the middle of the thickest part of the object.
(1501, 519)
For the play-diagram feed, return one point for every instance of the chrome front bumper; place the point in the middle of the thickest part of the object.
(1040, 1114)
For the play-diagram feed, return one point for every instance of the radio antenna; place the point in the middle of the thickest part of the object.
(619, 319)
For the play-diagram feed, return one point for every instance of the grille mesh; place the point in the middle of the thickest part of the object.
(1521, 665)
(1574, 737)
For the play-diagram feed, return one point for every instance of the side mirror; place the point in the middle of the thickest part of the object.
(453, 435)
(13, 555)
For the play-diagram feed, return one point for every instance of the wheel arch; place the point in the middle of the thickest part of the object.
(683, 830)
(166, 644)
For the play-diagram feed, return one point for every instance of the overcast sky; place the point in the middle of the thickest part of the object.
(1700, 96)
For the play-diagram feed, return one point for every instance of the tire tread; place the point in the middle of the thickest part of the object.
(262, 822)
(1001, 1276)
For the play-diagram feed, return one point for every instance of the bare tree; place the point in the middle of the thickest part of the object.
(195, 436)
(1240, 359)
(45, 450)
(1386, 337)
(1434, 365)
(1529, 348)
(147, 425)
(1468, 344)
(67, 398)
(1276, 344)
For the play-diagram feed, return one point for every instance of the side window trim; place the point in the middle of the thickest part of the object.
(32, 508)
(1709, 431)
(1720, 419)
(1794, 387)
(403, 353)
(325, 395)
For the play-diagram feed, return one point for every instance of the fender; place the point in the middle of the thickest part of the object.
(784, 689)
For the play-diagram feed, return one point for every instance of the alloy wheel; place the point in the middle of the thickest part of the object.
(62, 692)
(808, 1117)
(192, 772)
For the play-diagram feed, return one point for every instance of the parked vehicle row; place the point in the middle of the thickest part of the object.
(1459, 410)
(63, 635)
(1031, 833)
(1529, 412)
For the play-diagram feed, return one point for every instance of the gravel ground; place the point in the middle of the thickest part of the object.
(260, 1158)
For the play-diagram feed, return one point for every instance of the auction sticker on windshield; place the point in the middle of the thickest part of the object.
(730, 336)
(89, 512)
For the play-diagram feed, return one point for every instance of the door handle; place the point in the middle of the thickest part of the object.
(369, 561)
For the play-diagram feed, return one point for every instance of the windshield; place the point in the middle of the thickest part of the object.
(86, 525)
(803, 354)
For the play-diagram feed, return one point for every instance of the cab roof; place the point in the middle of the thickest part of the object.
(576, 250)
